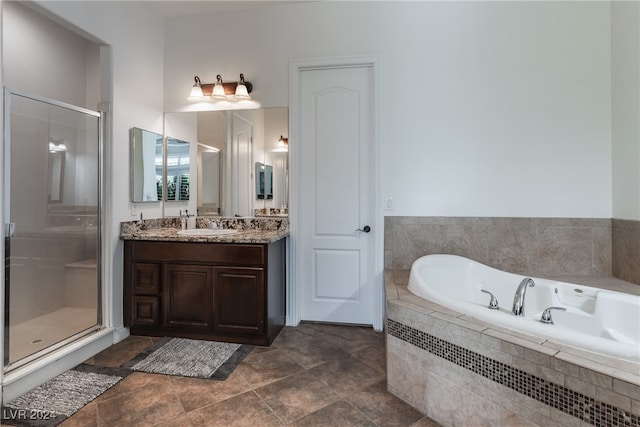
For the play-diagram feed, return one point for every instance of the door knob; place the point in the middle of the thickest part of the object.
(366, 229)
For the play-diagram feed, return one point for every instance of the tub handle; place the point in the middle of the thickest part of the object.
(493, 303)
(546, 315)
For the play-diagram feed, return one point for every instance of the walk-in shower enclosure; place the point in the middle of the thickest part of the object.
(52, 225)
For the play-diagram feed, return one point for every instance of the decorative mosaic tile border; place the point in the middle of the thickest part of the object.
(557, 396)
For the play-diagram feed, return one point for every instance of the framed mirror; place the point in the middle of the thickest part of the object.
(178, 169)
(146, 165)
(242, 138)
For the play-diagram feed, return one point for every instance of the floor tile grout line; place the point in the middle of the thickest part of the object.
(269, 407)
(362, 412)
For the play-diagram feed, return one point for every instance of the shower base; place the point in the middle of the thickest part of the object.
(34, 335)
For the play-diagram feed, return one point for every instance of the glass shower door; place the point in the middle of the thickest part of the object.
(52, 225)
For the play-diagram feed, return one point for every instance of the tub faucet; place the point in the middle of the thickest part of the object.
(518, 299)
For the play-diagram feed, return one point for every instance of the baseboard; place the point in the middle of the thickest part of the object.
(120, 334)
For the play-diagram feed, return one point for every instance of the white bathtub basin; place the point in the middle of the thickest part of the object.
(598, 320)
(206, 232)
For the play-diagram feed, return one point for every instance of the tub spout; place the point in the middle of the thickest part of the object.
(518, 299)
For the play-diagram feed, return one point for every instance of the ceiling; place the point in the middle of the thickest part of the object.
(189, 7)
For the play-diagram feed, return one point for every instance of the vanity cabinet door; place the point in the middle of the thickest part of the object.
(239, 300)
(145, 301)
(188, 296)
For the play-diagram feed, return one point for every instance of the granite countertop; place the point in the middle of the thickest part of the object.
(249, 230)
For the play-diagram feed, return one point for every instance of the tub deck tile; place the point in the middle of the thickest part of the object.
(496, 327)
(423, 306)
(515, 339)
(460, 321)
(622, 369)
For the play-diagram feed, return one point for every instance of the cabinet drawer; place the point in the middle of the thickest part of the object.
(210, 253)
(145, 311)
(146, 278)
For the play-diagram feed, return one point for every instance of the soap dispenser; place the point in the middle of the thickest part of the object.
(191, 221)
(183, 221)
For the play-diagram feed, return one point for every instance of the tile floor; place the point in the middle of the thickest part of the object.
(312, 375)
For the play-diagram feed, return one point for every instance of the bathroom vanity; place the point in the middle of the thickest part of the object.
(223, 288)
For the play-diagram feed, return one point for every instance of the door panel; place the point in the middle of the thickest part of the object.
(337, 275)
(241, 149)
(239, 300)
(336, 185)
(52, 210)
(188, 296)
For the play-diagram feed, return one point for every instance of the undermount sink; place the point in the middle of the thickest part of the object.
(206, 232)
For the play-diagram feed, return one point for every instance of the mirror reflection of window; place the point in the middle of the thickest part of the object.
(264, 181)
(178, 160)
(159, 164)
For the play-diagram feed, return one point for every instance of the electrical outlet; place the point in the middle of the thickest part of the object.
(134, 209)
(388, 203)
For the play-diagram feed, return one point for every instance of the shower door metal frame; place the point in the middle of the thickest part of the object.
(7, 228)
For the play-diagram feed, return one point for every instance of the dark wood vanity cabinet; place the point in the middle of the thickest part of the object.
(214, 291)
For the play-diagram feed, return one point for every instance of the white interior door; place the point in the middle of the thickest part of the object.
(241, 170)
(336, 195)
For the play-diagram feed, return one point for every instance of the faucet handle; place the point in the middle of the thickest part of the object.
(493, 303)
(546, 315)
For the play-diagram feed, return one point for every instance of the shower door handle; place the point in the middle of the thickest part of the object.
(10, 230)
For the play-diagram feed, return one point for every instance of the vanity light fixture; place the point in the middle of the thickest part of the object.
(241, 89)
(196, 91)
(220, 90)
(56, 145)
(283, 144)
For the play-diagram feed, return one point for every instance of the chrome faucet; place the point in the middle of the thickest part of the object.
(546, 315)
(518, 299)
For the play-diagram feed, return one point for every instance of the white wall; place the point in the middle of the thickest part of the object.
(487, 108)
(625, 64)
(35, 61)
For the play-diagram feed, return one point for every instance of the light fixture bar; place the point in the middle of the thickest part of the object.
(229, 88)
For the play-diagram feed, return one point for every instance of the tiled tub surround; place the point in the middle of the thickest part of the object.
(461, 371)
(250, 230)
(626, 249)
(543, 247)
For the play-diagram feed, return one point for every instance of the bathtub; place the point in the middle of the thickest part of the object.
(597, 320)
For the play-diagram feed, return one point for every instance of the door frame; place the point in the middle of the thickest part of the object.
(294, 285)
